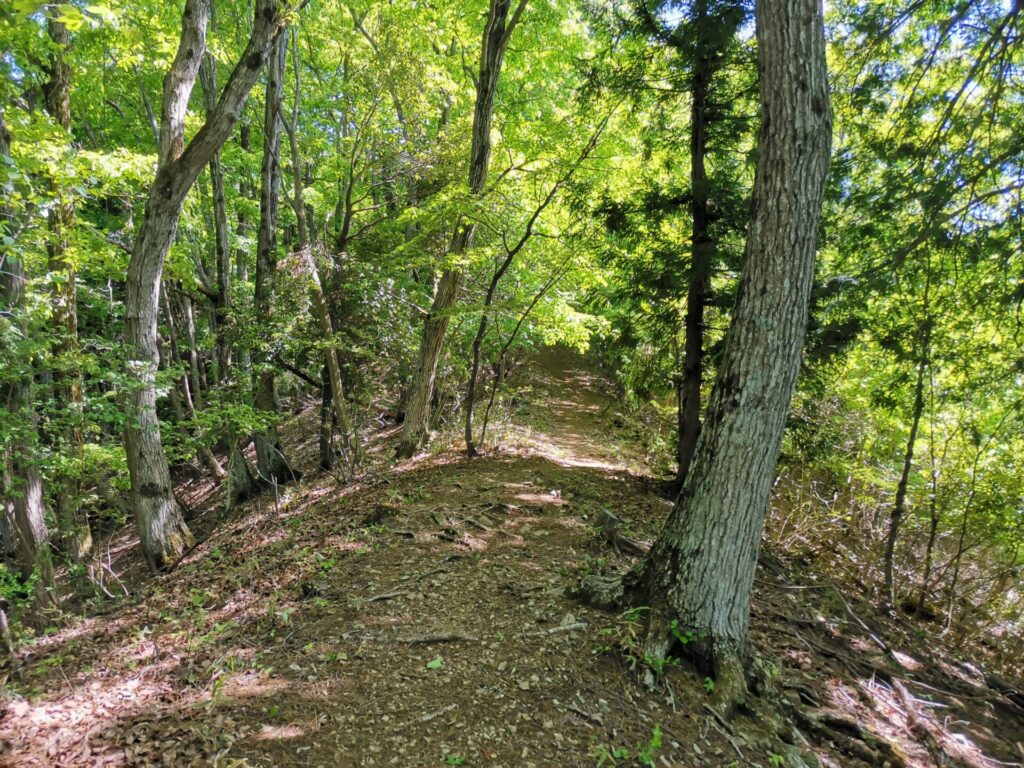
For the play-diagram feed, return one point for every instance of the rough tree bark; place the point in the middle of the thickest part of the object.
(271, 464)
(23, 480)
(501, 22)
(162, 529)
(72, 524)
(699, 574)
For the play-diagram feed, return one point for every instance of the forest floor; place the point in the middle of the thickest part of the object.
(423, 617)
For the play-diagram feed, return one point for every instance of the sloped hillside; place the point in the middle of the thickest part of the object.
(424, 617)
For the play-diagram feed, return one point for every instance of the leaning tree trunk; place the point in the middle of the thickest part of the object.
(24, 485)
(271, 464)
(162, 529)
(73, 527)
(699, 574)
(416, 428)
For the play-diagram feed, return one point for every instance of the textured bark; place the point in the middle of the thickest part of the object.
(271, 464)
(162, 529)
(497, 32)
(241, 485)
(73, 526)
(700, 571)
(23, 486)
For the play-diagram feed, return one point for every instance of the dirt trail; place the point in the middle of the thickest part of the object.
(574, 398)
(419, 621)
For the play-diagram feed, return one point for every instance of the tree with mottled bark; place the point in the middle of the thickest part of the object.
(164, 535)
(697, 578)
(502, 19)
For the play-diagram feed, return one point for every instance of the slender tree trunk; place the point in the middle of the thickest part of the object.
(204, 453)
(159, 520)
(245, 191)
(194, 367)
(934, 514)
(24, 486)
(499, 28)
(701, 254)
(222, 249)
(326, 434)
(899, 508)
(73, 526)
(271, 464)
(335, 387)
(699, 574)
(492, 287)
(349, 440)
(499, 366)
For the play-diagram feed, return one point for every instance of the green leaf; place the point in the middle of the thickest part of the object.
(434, 663)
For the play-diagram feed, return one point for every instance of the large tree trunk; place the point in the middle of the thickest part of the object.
(73, 527)
(162, 529)
(699, 574)
(499, 28)
(23, 481)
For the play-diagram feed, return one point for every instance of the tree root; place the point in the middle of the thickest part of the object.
(603, 592)
(850, 737)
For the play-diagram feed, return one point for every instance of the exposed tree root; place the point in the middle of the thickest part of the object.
(747, 686)
(603, 592)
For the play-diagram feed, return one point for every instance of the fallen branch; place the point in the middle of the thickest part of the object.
(723, 728)
(388, 596)
(555, 630)
(444, 637)
(434, 715)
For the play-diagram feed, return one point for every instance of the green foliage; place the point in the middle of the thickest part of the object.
(643, 755)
